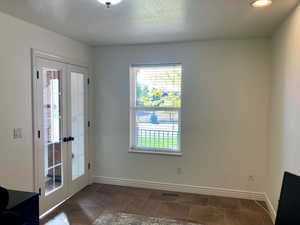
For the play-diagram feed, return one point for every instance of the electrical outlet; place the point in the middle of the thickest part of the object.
(251, 178)
(179, 171)
(17, 134)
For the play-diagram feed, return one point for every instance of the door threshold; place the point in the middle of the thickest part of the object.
(59, 204)
(54, 207)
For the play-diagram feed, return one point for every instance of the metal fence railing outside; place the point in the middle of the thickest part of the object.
(161, 139)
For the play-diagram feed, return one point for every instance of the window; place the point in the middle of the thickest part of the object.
(155, 108)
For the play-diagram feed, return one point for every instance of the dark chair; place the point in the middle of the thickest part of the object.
(6, 217)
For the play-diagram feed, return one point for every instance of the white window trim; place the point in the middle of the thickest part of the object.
(133, 108)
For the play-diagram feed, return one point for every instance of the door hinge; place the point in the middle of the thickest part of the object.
(89, 123)
(89, 166)
(39, 134)
(37, 74)
(40, 191)
(88, 81)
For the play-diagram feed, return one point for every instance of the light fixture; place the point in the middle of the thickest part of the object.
(261, 3)
(109, 3)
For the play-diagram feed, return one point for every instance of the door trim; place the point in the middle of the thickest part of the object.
(50, 56)
(35, 53)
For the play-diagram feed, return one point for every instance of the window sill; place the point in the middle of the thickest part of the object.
(142, 151)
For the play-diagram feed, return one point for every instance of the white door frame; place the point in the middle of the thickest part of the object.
(35, 53)
(53, 197)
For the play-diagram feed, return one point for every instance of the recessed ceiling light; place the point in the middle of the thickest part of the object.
(109, 3)
(261, 3)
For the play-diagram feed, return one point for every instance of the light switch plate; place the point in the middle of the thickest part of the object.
(17, 133)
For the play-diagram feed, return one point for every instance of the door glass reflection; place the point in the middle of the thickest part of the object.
(52, 130)
(77, 114)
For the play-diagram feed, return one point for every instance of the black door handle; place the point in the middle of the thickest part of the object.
(68, 139)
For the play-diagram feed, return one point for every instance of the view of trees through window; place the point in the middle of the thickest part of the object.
(157, 107)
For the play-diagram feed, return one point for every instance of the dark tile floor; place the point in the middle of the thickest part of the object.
(87, 205)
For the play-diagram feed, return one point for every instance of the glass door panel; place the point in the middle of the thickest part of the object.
(78, 124)
(77, 127)
(53, 163)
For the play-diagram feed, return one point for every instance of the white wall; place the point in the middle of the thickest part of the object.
(225, 113)
(16, 39)
(284, 152)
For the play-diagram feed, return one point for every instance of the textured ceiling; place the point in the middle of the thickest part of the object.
(151, 21)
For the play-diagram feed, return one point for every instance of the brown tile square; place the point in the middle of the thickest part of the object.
(151, 208)
(135, 206)
(193, 199)
(139, 192)
(251, 205)
(173, 210)
(207, 215)
(224, 202)
(240, 217)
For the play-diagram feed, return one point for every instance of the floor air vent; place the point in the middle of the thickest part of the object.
(169, 195)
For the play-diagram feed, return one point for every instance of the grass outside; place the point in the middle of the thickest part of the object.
(158, 142)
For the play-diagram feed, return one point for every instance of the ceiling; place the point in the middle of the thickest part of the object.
(151, 21)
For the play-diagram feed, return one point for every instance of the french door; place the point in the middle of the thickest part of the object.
(60, 106)
(77, 127)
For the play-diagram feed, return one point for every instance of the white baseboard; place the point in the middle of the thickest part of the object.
(181, 188)
(270, 208)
